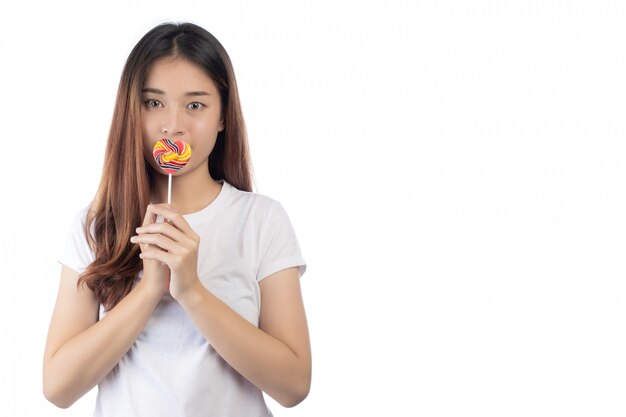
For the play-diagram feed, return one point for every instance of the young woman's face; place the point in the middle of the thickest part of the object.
(180, 102)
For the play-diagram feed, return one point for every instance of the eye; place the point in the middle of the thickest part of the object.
(197, 106)
(150, 103)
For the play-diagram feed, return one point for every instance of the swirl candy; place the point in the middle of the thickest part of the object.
(171, 156)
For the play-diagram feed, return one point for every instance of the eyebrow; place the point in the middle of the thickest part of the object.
(188, 94)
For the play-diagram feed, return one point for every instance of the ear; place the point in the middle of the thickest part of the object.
(221, 125)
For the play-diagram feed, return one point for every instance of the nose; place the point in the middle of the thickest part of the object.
(171, 123)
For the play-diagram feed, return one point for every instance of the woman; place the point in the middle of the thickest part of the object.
(197, 314)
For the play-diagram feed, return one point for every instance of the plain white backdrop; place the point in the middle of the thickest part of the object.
(454, 171)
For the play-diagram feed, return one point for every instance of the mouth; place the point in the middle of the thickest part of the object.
(171, 156)
(173, 141)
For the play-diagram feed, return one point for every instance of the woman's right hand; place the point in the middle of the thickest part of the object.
(156, 274)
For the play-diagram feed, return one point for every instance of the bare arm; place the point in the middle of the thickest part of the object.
(80, 350)
(276, 357)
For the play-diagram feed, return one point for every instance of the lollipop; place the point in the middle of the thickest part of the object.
(171, 157)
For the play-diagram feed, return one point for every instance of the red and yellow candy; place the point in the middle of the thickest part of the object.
(171, 156)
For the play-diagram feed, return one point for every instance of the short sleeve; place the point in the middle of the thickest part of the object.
(75, 252)
(281, 248)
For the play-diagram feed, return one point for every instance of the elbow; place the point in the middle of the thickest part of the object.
(55, 400)
(53, 395)
(297, 394)
(294, 400)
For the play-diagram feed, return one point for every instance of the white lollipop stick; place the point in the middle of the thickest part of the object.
(178, 153)
(169, 190)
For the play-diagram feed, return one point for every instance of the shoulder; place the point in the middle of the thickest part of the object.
(78, 229)
(256, 210)
(77, 252)
(258, 203)
(79, 218)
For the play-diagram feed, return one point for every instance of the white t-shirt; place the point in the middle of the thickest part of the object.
(171, 370)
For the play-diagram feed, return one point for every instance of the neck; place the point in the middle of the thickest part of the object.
(191, 192)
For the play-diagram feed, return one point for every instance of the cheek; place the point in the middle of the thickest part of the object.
(149, 133)
(147, 122)
(207, 124)
(147, 140)
(147, 154)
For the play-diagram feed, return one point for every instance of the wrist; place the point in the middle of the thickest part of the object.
(191, 295)
(149, 290)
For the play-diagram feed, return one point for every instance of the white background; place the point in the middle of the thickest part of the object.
(454, 171)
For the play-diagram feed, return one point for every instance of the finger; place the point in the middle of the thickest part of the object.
(173, 216)
(160, 241)
(157, 255)
(148, 218)
(165, 229)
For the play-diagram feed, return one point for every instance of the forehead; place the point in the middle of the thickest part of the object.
(176, 75)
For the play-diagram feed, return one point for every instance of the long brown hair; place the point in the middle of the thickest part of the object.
(119, 205)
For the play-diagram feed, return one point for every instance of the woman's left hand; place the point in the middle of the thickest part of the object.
(175, 244)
